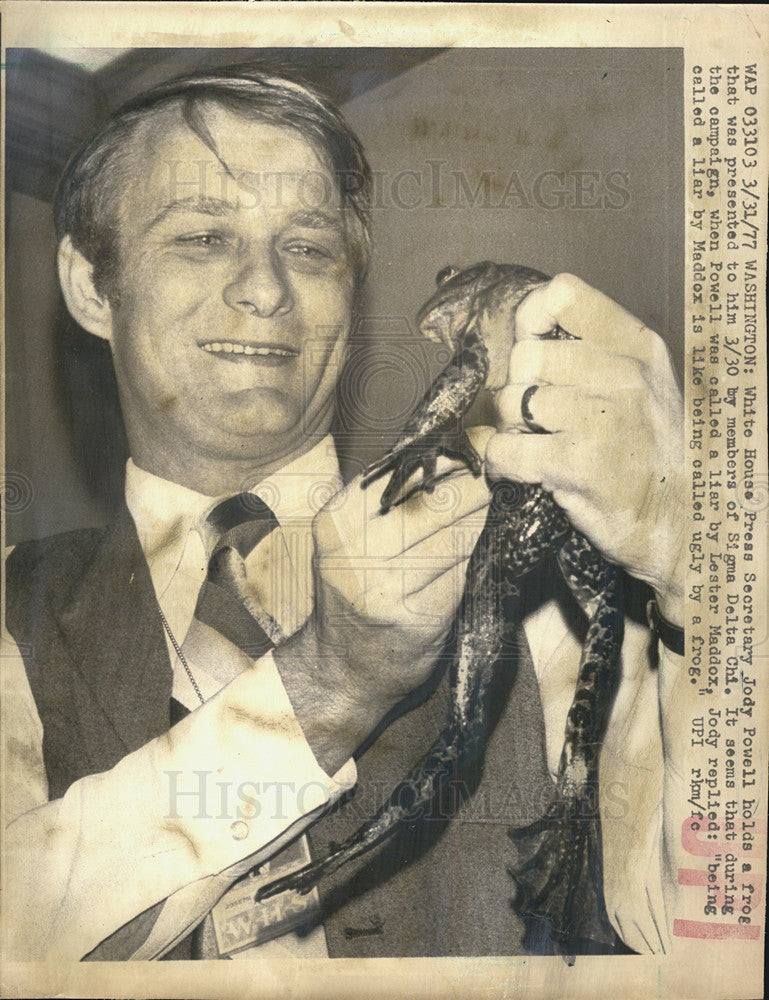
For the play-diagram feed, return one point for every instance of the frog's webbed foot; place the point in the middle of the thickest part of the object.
(404, 461)
(561, 880)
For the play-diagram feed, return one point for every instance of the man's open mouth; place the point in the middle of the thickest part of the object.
(232, 351)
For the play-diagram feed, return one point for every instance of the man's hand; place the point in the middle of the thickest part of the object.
(614, 456)
(387, 588)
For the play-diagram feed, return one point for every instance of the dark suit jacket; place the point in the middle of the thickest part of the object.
(82, 608)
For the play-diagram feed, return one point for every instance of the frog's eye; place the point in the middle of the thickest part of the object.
(446, 274)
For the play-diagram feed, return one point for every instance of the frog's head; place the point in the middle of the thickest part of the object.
(444, 317)
(485, 295)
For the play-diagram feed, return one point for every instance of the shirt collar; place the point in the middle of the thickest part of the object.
(165, 513)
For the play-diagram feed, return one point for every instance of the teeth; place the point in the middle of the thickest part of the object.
(217, 347)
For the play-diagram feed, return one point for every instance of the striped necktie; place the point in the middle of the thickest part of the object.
(232, 530)
(238, 525)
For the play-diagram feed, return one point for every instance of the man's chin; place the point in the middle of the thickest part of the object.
(259, 412)
(271, 433)
(259, 426)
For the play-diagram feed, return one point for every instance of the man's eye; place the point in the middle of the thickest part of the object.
(308, 251)
(200, 240)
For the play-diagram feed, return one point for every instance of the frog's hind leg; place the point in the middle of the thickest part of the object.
(479, 640)
(406, 804)
(562, 881)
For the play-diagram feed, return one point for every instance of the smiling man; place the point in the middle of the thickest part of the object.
(231, 306)
(215, 232)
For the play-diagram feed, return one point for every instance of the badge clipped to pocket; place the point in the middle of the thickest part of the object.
(240, 922)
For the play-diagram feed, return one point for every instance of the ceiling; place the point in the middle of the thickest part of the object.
(55, 98)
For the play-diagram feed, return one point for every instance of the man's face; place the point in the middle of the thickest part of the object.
(235, 292)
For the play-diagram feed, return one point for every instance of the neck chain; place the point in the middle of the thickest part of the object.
(180, 654)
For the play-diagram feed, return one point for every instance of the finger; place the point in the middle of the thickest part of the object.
(570, 363)
(412, 582)
(357, 526)
(554, 460)
(479, 436)
(556, 409)
(436, 602)
(448, 544)
(584, 312)
(455, 502)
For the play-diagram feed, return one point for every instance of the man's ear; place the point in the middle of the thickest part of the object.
(91, 310)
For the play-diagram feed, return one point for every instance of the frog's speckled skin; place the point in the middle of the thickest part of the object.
(562, 880)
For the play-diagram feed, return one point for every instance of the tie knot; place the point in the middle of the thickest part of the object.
(240, 522)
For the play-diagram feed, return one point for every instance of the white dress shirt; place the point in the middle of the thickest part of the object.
(67, 860)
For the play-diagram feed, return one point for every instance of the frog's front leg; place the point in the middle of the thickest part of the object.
(435, 429)
(422, 454)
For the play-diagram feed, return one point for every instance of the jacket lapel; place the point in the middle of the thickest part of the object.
(119, 656)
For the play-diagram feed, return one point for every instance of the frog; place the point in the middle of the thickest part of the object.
(473, 313)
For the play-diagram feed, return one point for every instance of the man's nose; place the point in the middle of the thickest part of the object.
(260, 287)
